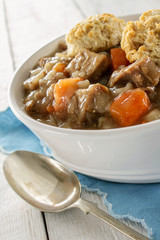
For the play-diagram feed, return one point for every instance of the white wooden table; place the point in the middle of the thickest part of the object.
(26, 25)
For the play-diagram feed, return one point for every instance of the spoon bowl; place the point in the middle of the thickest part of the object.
(49, 186)
(42, 181)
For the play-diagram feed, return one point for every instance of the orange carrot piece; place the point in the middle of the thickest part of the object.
(129, 107)
(50, 108)
(61, 67)
(118, 57)
(63, 90)
(144, 121)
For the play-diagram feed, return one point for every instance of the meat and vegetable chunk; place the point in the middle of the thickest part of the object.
(88, 65)
(118, 57)
(88, 104)
(129, 107)
(143, 73)
(77, 102)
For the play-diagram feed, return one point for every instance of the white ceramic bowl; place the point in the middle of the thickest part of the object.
(129, 154)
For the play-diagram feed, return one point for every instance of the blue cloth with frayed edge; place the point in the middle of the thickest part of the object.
(138, 202)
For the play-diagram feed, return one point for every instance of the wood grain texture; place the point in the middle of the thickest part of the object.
(6, 67)
(116, 7)
(18, 219)
(33, 23)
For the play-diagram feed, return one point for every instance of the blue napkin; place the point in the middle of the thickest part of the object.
(138, 202)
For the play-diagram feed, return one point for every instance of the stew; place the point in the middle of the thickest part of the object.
(93, 90)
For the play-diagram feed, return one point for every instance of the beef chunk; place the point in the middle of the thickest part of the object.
(88, 65)
(143, 73)
(88, 104)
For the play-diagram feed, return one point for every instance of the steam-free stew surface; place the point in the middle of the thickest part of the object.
(93, 90)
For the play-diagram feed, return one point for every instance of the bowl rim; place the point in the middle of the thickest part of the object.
(26, 119)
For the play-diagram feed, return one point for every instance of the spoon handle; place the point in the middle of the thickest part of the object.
(90, 207)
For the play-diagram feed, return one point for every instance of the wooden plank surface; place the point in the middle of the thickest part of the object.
(18, 219)
(31, 24)
(6, 68)
(116, 7)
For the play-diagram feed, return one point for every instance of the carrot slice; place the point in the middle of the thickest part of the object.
(118, 57)
(129, 107)
(143, 121)
(63, 90)
(61, 67)
(50, 108)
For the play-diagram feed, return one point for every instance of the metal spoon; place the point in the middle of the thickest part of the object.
(48, 185)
